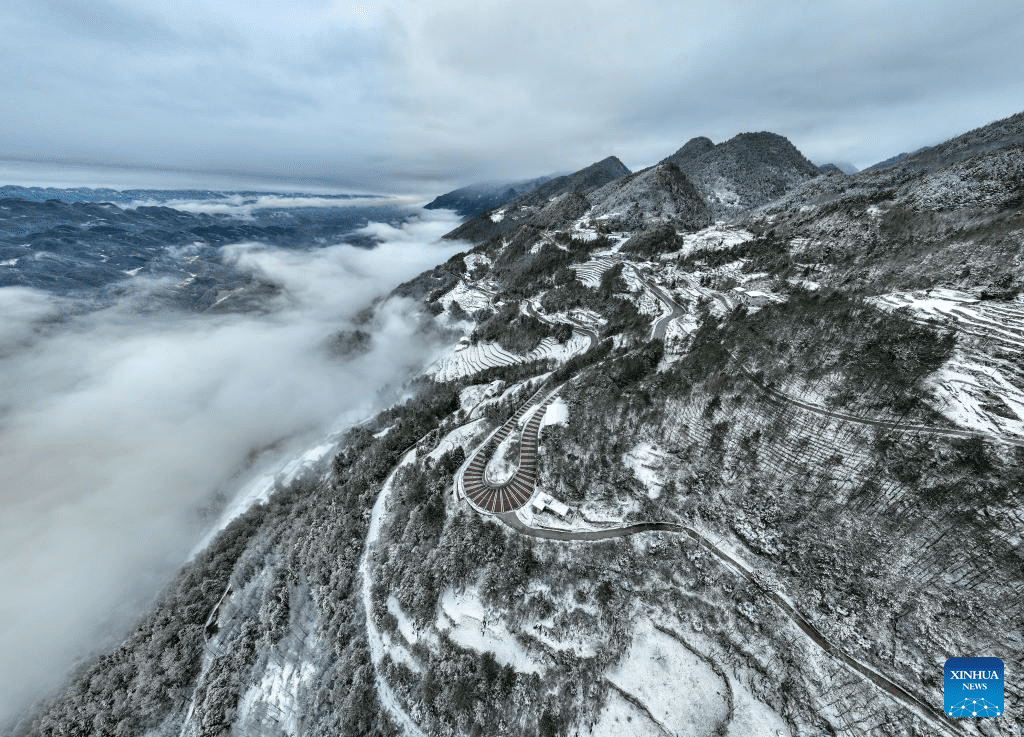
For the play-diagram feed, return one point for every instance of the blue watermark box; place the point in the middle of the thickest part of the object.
(973, 687)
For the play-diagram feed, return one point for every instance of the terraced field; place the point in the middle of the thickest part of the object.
(590, 272)
(476, 358)
(982, 386)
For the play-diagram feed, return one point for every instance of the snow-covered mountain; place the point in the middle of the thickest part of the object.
(513, 213)
(746, 171)
(696, 184)
(726, 446)
(661, 193)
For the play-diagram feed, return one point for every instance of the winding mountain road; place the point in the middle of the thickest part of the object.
(494, 498)
(471, 481)
(502, 501)
(921, 708)
(661, 324)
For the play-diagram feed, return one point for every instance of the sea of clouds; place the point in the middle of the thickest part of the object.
(243, 206)
(121, 427)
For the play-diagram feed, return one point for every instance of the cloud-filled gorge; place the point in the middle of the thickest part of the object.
(120, 426)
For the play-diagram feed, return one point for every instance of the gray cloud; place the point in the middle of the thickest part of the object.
(117, 428)
(398, 95)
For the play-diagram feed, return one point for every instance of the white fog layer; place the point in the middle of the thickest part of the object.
(120, 426)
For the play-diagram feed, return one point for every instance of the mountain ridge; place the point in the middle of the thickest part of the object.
(474, 199)
(737, 175)
(517, 211)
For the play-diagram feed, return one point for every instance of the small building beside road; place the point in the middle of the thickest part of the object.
(543, 502)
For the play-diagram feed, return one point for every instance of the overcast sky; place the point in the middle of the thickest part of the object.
(420, 95)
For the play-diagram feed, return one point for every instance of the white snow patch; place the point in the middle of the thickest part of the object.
(589, 273)
(276, 697)
(472, 395)
(752, 717)
(476, 358)
(465, 620)
(725, 195)
(505, 462)
(648, 465)
(981, 387)
(469, 298)
(462, 436)
(679, 330)
(498, 216)
(678, 688)
(619, 718)
(473, 260)
(713, 238)
(9, 262)
(406, 627)
(587, 317)
(557, 413)
(811, 286)
(400, 654)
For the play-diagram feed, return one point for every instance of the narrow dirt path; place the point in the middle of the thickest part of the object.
(388, 698)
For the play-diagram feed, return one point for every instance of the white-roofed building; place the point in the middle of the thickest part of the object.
(548, 502)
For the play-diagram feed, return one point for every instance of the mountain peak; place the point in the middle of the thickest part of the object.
(610, 165)
(770, 148)
(661, 193)
(691, 150)
(746, 171)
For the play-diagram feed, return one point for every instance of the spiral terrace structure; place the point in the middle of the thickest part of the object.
(517, 491)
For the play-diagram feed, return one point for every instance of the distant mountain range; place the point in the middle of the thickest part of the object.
(838, 167)
(129, 196)
(84, 240)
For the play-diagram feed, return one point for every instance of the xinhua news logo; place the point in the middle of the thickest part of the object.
(973, 687)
